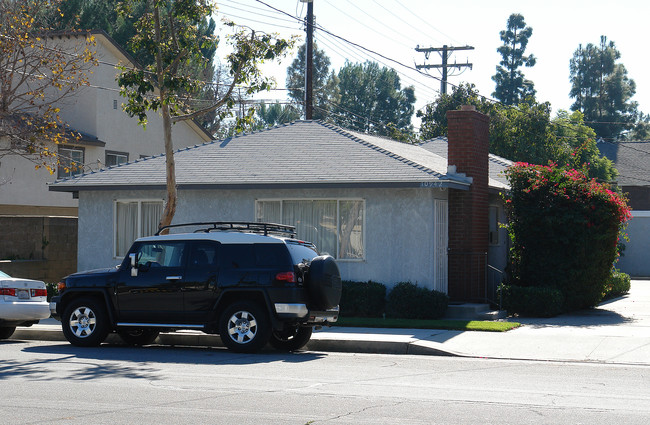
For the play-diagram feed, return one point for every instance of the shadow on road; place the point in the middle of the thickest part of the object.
(166, 354)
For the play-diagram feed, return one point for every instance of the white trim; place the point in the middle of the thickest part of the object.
(640, 214)
(338, 218)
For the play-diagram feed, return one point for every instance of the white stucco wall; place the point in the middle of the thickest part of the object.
(635, 257)
(399, 225)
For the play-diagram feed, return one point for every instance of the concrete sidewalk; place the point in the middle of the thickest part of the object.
(615, 332)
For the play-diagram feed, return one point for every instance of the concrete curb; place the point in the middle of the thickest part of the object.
(326, 342)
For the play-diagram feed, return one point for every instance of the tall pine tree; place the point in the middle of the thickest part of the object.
(511, 86)
(602, 89)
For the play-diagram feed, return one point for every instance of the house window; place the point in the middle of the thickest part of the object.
(71, 160)
(335, 226)
(134, 219)
(493, 220)
(116, 158)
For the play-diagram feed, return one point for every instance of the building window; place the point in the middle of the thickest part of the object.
(134, 219)
(493, 226)
(335, 226)
(116, 158)
(71, 160)
(114, 104)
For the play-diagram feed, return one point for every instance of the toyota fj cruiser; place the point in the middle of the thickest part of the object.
(251, 283)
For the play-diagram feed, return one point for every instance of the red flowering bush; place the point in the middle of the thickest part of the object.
(564, 231)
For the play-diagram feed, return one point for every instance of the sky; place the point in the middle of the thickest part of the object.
(393, 28)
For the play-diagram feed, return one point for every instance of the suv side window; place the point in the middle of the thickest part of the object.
(160, 254)
(237, 256)
(203, 254)
(271, 255)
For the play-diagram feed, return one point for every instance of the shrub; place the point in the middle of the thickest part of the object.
(532, 301)
(52, 290)
(363, 299)
(617, 285)
(564, 231)
(409, 301)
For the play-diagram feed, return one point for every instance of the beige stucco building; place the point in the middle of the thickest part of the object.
(109, 136)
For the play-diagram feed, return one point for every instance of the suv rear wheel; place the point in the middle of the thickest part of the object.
(244, 327)
(291, 339)
(85, 323)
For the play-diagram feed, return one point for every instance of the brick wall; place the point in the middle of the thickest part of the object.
(42, 248)
(468, 209)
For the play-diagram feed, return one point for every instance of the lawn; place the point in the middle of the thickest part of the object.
(454, 325)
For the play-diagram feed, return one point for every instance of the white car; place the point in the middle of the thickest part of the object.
(23, 302)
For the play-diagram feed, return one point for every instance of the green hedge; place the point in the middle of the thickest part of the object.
(409, 301)
(532, 301)
(363, 299)
(564, 231)
(617, 285)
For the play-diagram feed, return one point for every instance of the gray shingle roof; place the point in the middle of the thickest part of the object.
(631, 159)
(300, 154)
(496, 166)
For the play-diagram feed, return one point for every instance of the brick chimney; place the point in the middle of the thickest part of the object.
(468, 144)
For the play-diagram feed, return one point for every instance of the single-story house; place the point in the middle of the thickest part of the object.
(632, 160)
(388, 211)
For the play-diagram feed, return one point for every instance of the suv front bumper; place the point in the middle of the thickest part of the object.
(300, 311)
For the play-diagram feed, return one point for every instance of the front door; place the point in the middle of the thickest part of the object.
(441, 241)
(155, 295)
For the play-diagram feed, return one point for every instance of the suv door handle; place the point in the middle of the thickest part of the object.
(174, 277)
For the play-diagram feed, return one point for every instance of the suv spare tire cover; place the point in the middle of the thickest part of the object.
(324, 282)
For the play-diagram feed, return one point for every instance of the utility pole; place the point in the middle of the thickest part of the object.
(309, 62)
(444, 53)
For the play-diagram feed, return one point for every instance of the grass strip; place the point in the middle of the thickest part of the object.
(453, 325)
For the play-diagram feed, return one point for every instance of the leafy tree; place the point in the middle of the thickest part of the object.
(103, 15)
(37, 72)
(373, 101)
(166, 87)
(511, 86)
(602, 89)
(524, 132)
(324, 83)
(578, 148)
(434, 115)
(276, 113)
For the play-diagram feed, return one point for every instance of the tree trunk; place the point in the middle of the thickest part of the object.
(170, 168)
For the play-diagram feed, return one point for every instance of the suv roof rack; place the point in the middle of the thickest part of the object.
(238, 226)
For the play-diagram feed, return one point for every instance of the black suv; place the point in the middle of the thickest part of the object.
(251, 283)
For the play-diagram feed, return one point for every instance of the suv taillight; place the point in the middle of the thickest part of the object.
(286, 276)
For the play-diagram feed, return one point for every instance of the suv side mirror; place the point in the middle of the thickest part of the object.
(134, 265)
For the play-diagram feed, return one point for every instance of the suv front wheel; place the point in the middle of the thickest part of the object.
(244, 327)
(85, 323)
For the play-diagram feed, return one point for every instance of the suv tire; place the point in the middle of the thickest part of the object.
(324, 282)
(138, 336)
(6, 331)
(85, 323)
(291, 339)
(244, 327)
